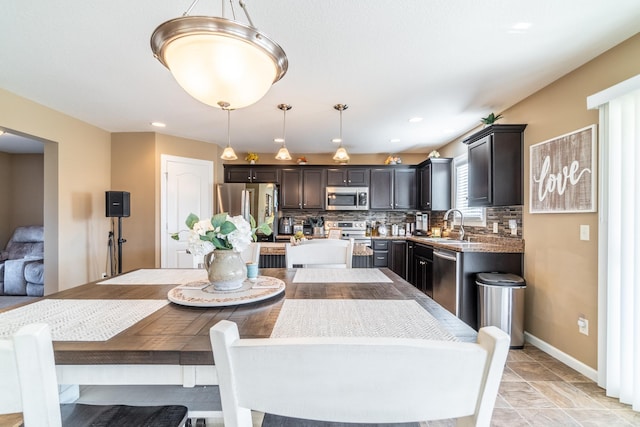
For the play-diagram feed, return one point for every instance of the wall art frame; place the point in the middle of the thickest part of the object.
(563, 173)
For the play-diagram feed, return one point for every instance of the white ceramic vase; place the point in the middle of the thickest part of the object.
(226, 269)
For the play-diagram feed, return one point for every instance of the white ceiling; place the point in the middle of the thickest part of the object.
(450, 62)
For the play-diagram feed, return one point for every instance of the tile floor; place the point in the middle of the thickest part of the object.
(538, 390)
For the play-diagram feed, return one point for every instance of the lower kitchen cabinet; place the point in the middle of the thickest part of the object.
(422, 268)
(392, 254)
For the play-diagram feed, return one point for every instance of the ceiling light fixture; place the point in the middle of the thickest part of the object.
(1, 132)
(415, 119)
(283, 153)
(341, 154)
(158, 124)
(218, 60)
(228, 153)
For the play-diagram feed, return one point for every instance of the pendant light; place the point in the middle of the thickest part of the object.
(228, 153)
(341, 154)
(283, 153)
(219, 60)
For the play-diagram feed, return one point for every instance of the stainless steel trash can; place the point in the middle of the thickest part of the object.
(501, 304)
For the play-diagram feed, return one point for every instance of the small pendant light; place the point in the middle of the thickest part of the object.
(283, 153)
(341, 153)
(228, 153)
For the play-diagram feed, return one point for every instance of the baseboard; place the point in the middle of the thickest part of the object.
(563, 357)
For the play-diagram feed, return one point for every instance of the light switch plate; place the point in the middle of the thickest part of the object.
(513, 226)
(584, 232)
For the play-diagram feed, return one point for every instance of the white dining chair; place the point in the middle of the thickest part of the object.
(320, 253)
(29, 385)
(251, 255)
(358, 380)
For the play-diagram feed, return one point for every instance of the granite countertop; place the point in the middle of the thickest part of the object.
(277, 248)
(478, 243)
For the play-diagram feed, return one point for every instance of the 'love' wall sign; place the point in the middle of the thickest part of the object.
(563, 173)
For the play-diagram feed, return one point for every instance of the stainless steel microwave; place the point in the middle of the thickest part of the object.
(347, 198)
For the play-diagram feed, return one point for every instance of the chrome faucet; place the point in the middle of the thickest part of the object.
(446, 217)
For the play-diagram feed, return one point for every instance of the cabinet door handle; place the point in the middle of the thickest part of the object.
(380, 257)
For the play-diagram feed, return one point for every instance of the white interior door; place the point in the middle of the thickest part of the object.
(187, 187)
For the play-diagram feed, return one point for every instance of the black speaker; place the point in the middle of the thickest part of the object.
(117, 203)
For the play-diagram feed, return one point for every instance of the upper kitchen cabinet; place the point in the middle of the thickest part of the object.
(393, 188)
(350, 177)
(253, 173)
(302, 188)
(434, 177)
(495, 156)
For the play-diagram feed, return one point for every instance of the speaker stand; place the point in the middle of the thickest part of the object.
(120, 242)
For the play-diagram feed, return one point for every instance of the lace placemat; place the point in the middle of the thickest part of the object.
(357, 318)
(158, 276)
(80, 320)
(340, 275)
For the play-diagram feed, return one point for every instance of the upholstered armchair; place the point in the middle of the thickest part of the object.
(22, 262)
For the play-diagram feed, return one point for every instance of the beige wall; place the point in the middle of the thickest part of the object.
(561, 270)
(27, 190)
(77, 163)
(5, 189)
(327, 159)
(21, 192)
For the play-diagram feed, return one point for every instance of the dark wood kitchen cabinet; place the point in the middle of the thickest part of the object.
(421, 265)
(392, 254)
(350, 177)
(434, 184)
(392, 188)
(254, 173)
(495, 156)
(302, 188)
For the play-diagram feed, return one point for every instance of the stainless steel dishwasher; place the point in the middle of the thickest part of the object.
(446, 279)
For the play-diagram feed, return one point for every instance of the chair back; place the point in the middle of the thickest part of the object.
(320, 253)
(29, 384)
(251, 255)
(358, 380)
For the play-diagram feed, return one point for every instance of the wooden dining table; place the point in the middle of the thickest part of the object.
(171, 345)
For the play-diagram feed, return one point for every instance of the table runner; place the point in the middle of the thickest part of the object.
(162, 276)
(340, 275)
(80, 320)
(357, 318)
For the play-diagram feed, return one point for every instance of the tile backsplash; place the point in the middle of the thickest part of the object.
(501, 215)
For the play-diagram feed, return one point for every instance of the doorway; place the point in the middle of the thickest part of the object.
(186, 187)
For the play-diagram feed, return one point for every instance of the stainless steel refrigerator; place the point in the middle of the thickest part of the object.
(257, 200)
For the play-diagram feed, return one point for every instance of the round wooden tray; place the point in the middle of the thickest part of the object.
(202, 294)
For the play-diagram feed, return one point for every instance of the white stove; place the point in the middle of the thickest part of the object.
(350, 229)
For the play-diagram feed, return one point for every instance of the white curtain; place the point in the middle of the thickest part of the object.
(619, 241)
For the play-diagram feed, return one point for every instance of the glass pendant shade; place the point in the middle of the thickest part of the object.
(341, 155)
(219, 60)
(283, 154)
(228, 154)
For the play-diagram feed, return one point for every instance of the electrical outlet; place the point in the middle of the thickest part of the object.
(495, 227)
(583, 325)
(584, 232)
(513, 226)
(104, 275)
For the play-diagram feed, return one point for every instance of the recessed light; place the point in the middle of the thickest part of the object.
(336, 140)
(278, 140)
(394, 140)
(158, 124)
(521, 26)
(415, 119)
